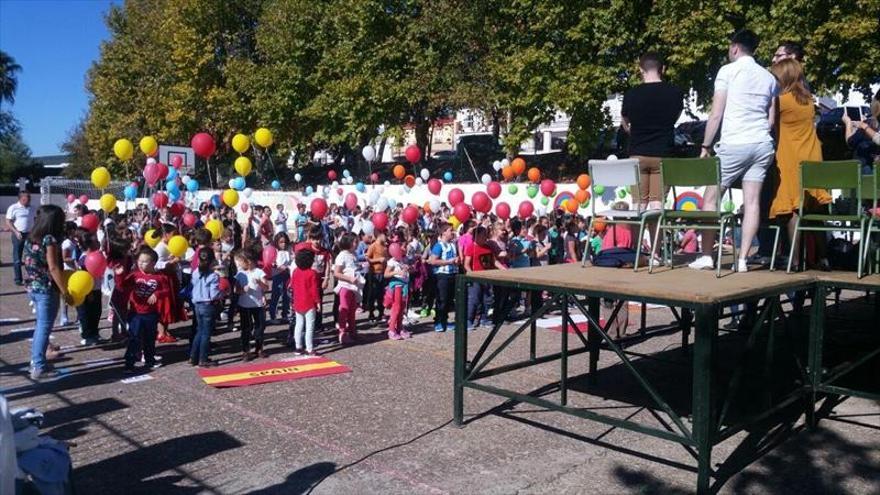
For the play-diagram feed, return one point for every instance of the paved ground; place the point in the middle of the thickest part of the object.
(386, 427)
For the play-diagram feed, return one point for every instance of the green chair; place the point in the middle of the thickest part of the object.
(871, 192)
(617, 173)
(842, 175)
(692, 172)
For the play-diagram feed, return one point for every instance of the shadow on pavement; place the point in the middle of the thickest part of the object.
(300, 481)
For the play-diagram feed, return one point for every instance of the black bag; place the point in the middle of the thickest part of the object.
(615, 258)
(843, 255)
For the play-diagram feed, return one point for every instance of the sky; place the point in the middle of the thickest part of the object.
(55, 43)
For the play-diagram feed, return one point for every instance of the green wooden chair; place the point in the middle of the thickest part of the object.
(692, 172)
(843, 175)
(871, 192)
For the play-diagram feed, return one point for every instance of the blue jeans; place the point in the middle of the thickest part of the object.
(280, 291)
(46, 307)
(206, 316)
(141, 336)
(479, 297)
(17, 251)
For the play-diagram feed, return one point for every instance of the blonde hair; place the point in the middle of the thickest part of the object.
(791, 79)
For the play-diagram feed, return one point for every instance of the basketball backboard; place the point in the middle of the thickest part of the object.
(166, 152)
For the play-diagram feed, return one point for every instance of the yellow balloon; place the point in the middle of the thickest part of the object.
(149, 145)
(454, 221)
(243, 166)
(150, 240)
(230, 197)
(101, 177)
(263, 137)
(241, 143)
(215, 227)
(123, 149)
(79, 284)
(108, 203)
(177, 246)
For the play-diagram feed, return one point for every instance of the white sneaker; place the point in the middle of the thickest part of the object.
(702, 263)
(741, 266)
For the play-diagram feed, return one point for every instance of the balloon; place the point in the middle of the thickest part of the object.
(351, 201)
(108, 203)
(447, 176)
(192, 185)
(240, 143)
(410, 214)
(149, 145)
(454, 221)
(493, 189)
(367, 227)
(129, 193)
(728, 206)
(462, 212)
(512, 189)
(456, 196)
(223, 285)
(230, 197)
(244, 207)
(177, 246)
(263, 137)
(621, 192)
(162, 171)
(90, 222)
(177, 208)
(160, 199)
(369, 153)
(71, 198)
(503, 210)
(581, 196)
(398, 171)
(391, 203)
(331, 175)
(534, 174)
(380, 220)
(239, 184)
(611, 157)
(123, 149)
(435, 205)
(508, 173)
(96, 264)
(309, 191)
(216, 201)
(570, 205)
(189, 219)
(496, 165)
(100, 177)
(548, 187)
(83, 199)
(152, 161)
(545, 201)
(346, 173)
(599, 225)
(434, 186)
(176, 161)
(243, 166)
(505, 162)
(583, 181)
(413, 154)
(518, 165)
(360, 187)
(374, 177)
(203, 145)
(382, 205)
(532, 191)
(410, 181)
(425, 174)
(215, 227)
(486, 179)
(150, 239)
(599, 189)
(276, 184)
(269, 255)
(481, 202)
(297, 177)
(394, 250)
(246, 192)
(172, 173)
(151, 173)
(79, 284)
(318, 208)
(174, 195)
(526, 208)
(172, 186)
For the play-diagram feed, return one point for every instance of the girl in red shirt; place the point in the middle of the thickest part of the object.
(305, 285)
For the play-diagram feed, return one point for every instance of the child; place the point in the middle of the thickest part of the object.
(280, 220)
(304, 283)
(444, 260)
(119, 262)
(145, 287)
(280, 277)
(205, 296)
(89, 312)
(377, 256)
(479, 256)
(70, 252)
(348, 286)
(250, 283)
(322, 265)
(397, 274)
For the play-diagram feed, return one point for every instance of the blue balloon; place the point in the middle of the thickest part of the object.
(360, 187)
(174, 195)
(447, 176)
(309, 190)
(238, 183)
(130, 192)
(215, 200)
(276, 184)
(192, 185)
(391, 203)
(172, 173)
(171, 186)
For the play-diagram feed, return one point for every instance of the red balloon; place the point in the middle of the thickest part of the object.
(494, 189)
(96, 263)
(151, 173)
(331, 175)
(434, 186)
(176, 161)
(410, 214)
(380, 220)
(503, 210)
(84, 199)
(160, 199)
(203, 145)
(189, 219)
(462, 212)
(351, 201)
(318, 208)
(374, 177)
(177, 208)
(224, 284)
(90, 222)
(71, 198)
(456, 196)
(481, 202)
(269, 255)
(163, 170)
(413, 155)
(395, 251)
(526, 208)
(547, 187)
(244, 207)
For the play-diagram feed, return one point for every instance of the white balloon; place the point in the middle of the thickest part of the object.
(419, 181)
(485, 179)
(611, 157)
(231, 183)
(151, 161)
(326, 190)
(246, 192)
(346, 173)
(435, 205)
(505, 163)
(374, 196)
(335, 183)
(496, 165)
(298, 177)
(367, 227)
(382, 204)
(185, 179)
(368, 153)
(387, 183)
(425, 174)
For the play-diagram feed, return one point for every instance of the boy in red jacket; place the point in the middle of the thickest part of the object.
(145, 288)
(305, 285)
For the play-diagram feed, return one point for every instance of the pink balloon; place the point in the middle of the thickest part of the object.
(269, 255)
(90, 222)
(380, 220)
(351, 201)
(151, 174)
(413, 155)
(462, 212)
(318, 208)
(434, 186)
(71, 198)
(203, 145)
(493, 189)
(96, 263)
(526, 208)
(547, 187)
(503, 210)
(456, 196)
(176, 161)
(84, 199)
(244, 207)
(395, 251)
(190, 220)
(481, 202)
(160, 199)
(410, 214)
(163, 170)
(331, 175)
(339, 191)
(374, 177)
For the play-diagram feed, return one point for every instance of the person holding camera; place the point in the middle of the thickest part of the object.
(863, 137)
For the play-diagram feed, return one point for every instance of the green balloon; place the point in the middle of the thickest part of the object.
(728, 206)
(545, 200)
(600, 190)
(532, 191)
(512, 189)
(621, 193)
(553, 194)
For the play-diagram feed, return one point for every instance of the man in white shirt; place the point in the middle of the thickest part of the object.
(19, 220)
(280, 219)
(743, 105)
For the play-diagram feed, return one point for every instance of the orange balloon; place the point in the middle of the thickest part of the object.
(507, 172)
(571, 206)
(398, 171)
(534, 175)
(518, 165)
(410, 181)
(581, 196)
(599, 225)
(583, 181)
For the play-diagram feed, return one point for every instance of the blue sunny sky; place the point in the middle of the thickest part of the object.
(55, 43)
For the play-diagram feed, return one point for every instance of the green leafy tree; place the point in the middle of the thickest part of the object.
(15, 156)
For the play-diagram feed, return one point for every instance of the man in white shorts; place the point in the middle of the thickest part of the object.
(743, 105)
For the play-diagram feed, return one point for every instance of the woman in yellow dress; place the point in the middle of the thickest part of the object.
(796, 142)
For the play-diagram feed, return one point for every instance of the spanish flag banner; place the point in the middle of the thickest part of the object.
(278, 371)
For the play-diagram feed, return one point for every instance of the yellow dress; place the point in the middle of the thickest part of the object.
(797, 142)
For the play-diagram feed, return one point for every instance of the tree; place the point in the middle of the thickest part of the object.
(76, 145)
(8, 77)
(15, 156)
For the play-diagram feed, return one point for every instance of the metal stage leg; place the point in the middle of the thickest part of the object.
(814, 345)
(594, 338)
(460, 350)
(687, 318)
(563, 379)
(706, 329)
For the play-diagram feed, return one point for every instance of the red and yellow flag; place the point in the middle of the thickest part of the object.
(252, 374)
